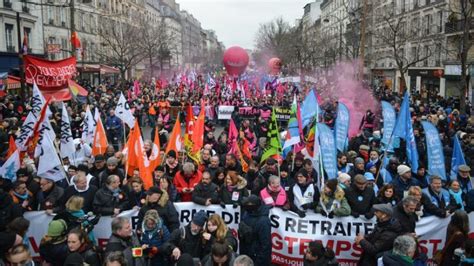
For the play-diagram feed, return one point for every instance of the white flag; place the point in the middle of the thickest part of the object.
(10, 167)
(26, 131)
(88, 127)
(45, 129)
(67, 144)
(123, 112)
(37, 101)
(49, 165)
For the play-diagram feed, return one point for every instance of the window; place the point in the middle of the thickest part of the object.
(9, 37)
(64, 48)
(414, 55)
(62, 16)
(440, 19)
(27, 32)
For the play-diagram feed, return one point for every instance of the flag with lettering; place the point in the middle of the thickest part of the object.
(49, 164)
(341, 128)
(389, 119)
(434, 147)
(11, 165)
(327, 146)
(67, 148)
(273, 139)
(309, 108)
(88, 127)
(295, 130)
(123, 111)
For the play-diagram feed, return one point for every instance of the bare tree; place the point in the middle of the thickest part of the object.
(274, 38)
(120, 44)
(461, 20)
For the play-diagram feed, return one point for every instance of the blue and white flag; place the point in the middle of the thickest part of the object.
(389, 118)
(309, 108)
(328, 150)
(11, 166)
(435, 150)
(404, 129)
(457, 159)
(342, 127)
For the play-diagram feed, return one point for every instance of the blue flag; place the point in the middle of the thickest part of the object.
(404, 129)
(435, 150)
(342, 126)
(327, 146)
(457, 159)
(309, 107)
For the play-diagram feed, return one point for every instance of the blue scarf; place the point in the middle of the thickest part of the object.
(23, 197)
(78, 214)
(458, 197)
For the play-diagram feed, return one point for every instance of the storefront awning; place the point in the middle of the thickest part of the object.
(13, 82)
(93, 68)
(105, 69)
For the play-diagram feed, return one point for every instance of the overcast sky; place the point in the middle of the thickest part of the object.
(237, 21)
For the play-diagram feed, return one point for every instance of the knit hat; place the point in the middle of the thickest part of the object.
(316, 248)
(83, 168)
(57, 228)
(112, 161)
(364, 147)
(402, 169)
(369, 165)
(200, 218)
(385, 208)
(358, 160)
(154, 190)
(251, 200)
(172, 154)
(160, 168)
(369, 176)
(99, 158)
(271, 161)
(332, 184)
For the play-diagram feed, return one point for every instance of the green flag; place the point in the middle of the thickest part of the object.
(273, 139)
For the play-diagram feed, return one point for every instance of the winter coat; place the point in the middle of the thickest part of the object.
(360, 201)
(89, 255)
(234, 195)
(323, 261)
(407, 221)
(456, 240)
(165, 209)
(156, 237)
(228, 238)
(260, 249)
(181, 182)
(337, 204)
(296, 202)
(426, 208)
(401, 186)
(50, 198)
(390, 259)
(87, 195)
(106, 173)
(379, 240)
(202, 192)
(275, 199)
(54, 253)
(207, 261)
(136, 199)
(117, 243)
(380, 199)
(105, 202)
(8, 210)
(185, 241)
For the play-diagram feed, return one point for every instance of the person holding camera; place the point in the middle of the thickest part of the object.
(154, 235)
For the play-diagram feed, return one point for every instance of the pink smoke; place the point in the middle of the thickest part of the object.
(340, 83)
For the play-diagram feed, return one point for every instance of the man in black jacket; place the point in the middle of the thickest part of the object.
(361, 197)
(110, 199)
(80, 187)
(187, 240)
(123, 239)
(381, 238)
(205, 193)
(158, 200)
(404, 212)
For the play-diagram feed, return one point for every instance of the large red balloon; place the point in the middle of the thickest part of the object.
(274, 65)
(235, 60)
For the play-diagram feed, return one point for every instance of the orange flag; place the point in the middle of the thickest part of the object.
(175, 142)
(246, 148)
(152, 110)
(11, 147)
(198, 131)
(155, 152)
(99, 145)
(245, 165)
(136, 157)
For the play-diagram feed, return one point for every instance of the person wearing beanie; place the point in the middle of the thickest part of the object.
(206, 192)
(358, 169)
(361, 197)
(187, 239)
(255, 242)
(316, 254)
(303, 195)
(371, 174)
(186, 180)
(155, 235)
(381, 238)
(112, 169)
(285, 179)
(53, 246)
(171, 164)
(333, 201)
(158, 199)
(403, 181)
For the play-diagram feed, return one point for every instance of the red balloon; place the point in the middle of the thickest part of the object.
(274, 65)
(235, 60)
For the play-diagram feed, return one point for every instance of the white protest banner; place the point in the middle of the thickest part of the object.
(291, 235)
(39, 221)
(224, 112)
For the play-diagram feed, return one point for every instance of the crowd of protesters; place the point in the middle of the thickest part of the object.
(99, 186)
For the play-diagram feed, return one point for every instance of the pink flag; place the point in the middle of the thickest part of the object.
(233, 136)
(136, 87)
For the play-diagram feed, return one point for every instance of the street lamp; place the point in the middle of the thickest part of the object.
(326, 20)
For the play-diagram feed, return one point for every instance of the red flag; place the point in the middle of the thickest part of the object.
(76, 43)
(198, 131)
(232, 139)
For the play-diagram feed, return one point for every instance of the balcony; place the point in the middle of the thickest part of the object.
(10, 48)
(457, 26)
(25, 9)
(7, 4)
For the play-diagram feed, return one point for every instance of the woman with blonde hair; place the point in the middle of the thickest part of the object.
(136, 192)
(217, 231)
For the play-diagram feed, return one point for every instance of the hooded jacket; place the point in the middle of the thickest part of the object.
(165, 209)
(236, 194)
(337, 203)
(105, 202)
(261, 247)
(181, 182)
